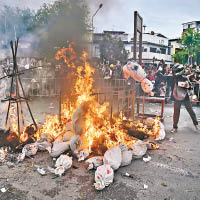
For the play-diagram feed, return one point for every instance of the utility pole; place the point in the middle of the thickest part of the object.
(100, 6)
(138, 24)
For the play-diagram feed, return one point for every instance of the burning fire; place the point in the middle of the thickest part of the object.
(23, 135)
(154, 131)
(100, 133)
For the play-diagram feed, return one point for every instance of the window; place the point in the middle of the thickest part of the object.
(163, 51)
(189, 25)
(153, 49)
(158, 51)
(161, 41)
(145, 50)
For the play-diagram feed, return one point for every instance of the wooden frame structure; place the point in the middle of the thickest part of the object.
(138, 24)
(17, 98)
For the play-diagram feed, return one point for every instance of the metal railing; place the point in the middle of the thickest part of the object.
(120, 93)
(41, 87)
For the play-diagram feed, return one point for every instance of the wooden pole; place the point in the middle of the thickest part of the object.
(17, 100)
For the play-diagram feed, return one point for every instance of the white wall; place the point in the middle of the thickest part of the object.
(150, 55)
(155, 39)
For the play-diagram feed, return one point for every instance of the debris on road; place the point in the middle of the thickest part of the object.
(41, 170)
(164, 185)
(94, 162)
(129, 175)
(3, 190)
(145, 186)
(147, 159)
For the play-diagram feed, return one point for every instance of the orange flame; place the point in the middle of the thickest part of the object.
(23, 137)
(100, 133)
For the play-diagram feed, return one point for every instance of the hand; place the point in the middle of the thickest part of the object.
(186, 85)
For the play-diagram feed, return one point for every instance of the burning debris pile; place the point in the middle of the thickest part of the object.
(86, 130)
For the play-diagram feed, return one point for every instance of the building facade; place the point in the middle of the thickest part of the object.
(194, 25)
(155, 47)
(175, 45)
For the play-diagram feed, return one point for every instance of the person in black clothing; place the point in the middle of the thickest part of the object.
(159, 82)
(180, 86)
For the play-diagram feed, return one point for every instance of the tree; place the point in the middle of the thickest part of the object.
(14, 22)
(191, 47)
(62, 21)
(112, 49)
(180, 56)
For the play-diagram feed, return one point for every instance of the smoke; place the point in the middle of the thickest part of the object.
(14, 23)
(58, 30)
(67, 22)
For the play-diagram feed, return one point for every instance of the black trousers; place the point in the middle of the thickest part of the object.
(188, 106)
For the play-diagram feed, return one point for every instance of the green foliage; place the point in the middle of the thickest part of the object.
(191, 47)
(50, 26)
(62, 21)
(180, 57)
(112, 49)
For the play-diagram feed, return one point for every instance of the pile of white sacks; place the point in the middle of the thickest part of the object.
(114, 158)
(105, 166)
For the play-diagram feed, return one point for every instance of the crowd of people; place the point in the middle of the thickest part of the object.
(111, 70)
(178, 83)
(160, 75)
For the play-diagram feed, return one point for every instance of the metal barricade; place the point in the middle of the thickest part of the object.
(41, 87)
(120, 93)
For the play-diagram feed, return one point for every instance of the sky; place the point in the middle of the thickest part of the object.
(160, 16)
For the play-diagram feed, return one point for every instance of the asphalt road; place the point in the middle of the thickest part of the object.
(172, 174)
